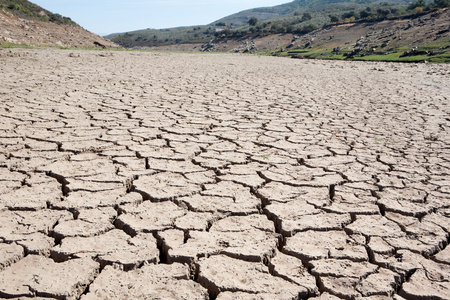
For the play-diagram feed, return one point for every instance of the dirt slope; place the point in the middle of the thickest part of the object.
(38, 33)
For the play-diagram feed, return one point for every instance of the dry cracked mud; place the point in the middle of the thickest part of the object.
(133, 175)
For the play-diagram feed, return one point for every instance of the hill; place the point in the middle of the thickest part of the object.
(295, 17)
(25, 23)
(297, 8)
(420, 37)
(417, 38)
(331, 29)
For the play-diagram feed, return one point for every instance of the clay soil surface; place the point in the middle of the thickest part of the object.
(130, 175)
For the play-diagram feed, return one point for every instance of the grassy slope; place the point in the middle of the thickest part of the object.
(158, 37)
(298, 7)
(26, 9)
(391, 57)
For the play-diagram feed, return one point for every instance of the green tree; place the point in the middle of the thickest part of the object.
(419, 3)
(306, 17)
(253, 21)
(306, 29)
(333, 19)
(441, 3)
(383, 13)
(349, 14)
(364, 14)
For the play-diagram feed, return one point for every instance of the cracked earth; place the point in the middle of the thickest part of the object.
(187, 176)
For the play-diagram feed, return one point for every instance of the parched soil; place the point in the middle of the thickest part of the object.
(130, 175)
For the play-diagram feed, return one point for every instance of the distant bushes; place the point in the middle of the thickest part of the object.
(386, 10)
(442, 3)
(266, 29)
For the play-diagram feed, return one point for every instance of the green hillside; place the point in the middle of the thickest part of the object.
(28, 10)
(297, 7)
(169, 36)
(298, 17)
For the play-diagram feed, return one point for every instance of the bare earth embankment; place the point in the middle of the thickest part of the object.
(189, 176)
(18, 31)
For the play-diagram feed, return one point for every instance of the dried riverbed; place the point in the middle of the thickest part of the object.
(193, 176)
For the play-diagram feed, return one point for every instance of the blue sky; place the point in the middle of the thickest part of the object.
(110, 16)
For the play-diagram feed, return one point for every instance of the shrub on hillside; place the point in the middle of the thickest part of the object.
(333, 19)
(442, 3)
(253, 21)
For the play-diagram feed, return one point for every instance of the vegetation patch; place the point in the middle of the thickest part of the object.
(433, 54)
(8, 45)
(26, 9)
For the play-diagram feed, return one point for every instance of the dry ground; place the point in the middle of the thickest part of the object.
(129, 175)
